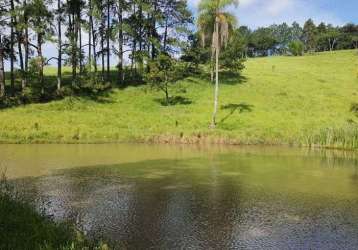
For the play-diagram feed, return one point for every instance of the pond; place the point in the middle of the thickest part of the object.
(194, 197)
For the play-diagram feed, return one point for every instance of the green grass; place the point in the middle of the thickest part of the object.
(277, 100)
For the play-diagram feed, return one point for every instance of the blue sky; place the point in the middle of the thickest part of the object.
(256, 13)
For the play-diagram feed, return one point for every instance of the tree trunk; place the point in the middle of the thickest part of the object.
(120, 43)
(80, 46)
(212, 65)
(334, 43)
(26, 45)
(73, 46)
(140, 38)
(166, 93)
(165, 35)
(166, 89)
(107, 37)
(2, 70)
(153, 31)
(134, 47)
(12, 52)
(93, 42)
(212, 59)
(41, 62)
(74, 50)
(59, 59)
(21, 58)
(217, 49)
(89, 36)
(102, 55)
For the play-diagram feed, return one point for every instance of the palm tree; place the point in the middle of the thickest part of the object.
(2, 70)
(215, 23)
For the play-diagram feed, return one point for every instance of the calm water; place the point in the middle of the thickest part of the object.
(184, 197)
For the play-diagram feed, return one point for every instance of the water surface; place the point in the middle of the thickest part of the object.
(187, 197)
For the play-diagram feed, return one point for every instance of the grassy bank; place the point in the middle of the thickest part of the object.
(278, 100)
(22, 227)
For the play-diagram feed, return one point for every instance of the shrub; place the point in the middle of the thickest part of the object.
(354, 108)
(296, 48)
(25, 228)
(165, 70)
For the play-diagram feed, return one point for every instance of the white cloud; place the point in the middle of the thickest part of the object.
(245, 3)
(276, 7)
(265, 12)
(255, 13)
(193, 3)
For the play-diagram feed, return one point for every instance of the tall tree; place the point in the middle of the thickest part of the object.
(331, 37)
(223, 23)
(309, 35)
(73, 10)
(121, 6)
(296, 32)
(18, 21)
(26, 42)
(59, 44)
(12, 42)
(176, 17)
(3, 45)
(108, 37)
(41, 22)
(99, 33)
(2, 67)
(90, 27)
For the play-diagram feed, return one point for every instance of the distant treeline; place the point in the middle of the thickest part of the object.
(286, 39)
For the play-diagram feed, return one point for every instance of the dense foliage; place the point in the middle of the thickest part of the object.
(282, 39)
(88, 35)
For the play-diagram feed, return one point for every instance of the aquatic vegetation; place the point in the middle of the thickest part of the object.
(344, 137)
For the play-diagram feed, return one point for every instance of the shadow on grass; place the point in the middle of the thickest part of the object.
(354, 108)
(103, 97)
(174, 100)
(240, 108)
(227, 78)
(231, 78)
(99, 91)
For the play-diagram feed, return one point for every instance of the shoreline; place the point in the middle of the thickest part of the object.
(176, 140)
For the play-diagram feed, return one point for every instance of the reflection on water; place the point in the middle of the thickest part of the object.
(167, 197)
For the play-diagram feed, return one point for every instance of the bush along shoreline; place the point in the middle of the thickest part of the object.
(23, 227)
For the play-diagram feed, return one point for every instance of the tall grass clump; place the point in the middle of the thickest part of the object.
(343, 138)
(22, 227)
(354, 108)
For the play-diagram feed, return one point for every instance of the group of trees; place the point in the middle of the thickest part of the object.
(294, 39)
(88, 34)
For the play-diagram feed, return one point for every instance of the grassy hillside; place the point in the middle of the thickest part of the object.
(278, 100)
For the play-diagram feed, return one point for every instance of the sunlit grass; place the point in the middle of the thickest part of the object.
(277, 100)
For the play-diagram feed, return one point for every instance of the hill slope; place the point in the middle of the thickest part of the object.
(278, 100)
